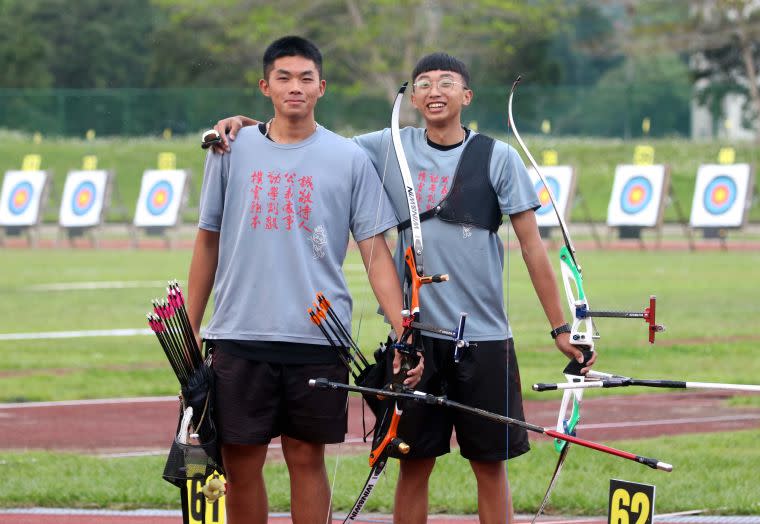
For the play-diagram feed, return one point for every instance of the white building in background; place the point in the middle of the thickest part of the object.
(730, 128)
(702, 121)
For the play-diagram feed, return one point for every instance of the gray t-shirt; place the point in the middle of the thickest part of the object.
(473, 257)
(284, 213)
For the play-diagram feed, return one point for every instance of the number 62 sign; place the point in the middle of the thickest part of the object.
(630, 503)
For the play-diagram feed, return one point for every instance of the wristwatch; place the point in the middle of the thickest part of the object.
(564, 328)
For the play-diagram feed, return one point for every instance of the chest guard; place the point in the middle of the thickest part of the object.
(471, 200)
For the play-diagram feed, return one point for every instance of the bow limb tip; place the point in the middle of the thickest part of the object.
(516, 82)
(209, 138)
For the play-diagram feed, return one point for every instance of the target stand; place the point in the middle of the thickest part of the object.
(23, 198)
(163, 198)
(722, 200)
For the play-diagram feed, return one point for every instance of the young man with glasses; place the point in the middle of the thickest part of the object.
(275, 218)
(465, 196)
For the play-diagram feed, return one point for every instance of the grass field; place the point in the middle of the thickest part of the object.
(708, 301)
(594, 159)
(706, 478)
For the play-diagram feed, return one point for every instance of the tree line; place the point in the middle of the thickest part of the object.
(370, 46)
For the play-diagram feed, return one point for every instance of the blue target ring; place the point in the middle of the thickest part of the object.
(21, 197)
(543, 194)
(159, 197)
(719, 195)
(83, 198)
(636, 195)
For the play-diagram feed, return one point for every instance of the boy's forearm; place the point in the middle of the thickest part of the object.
(383, 278)
(539, 266)
(201, 275)
(545, 284)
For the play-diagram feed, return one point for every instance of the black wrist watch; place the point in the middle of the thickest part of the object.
(564, 328)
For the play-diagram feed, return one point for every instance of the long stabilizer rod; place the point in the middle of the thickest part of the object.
(427, 398)
(598, 379)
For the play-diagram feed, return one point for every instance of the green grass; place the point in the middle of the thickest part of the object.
(595, 161)
(705, 477)
(708, 301)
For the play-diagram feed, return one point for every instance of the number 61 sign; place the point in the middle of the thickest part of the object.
(630, 503)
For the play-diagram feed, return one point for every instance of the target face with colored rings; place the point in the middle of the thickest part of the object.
(159, 197)
(636, 195)
(543, 194)
(83, 198)
(720, 195)
(21, 197)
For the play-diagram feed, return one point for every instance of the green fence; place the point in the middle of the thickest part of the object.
(564, 110)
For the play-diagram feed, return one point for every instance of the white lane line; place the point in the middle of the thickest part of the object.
(125, 284)
(131, 284)
(90, 402)
(77, 334)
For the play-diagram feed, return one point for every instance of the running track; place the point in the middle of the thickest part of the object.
(145, 426)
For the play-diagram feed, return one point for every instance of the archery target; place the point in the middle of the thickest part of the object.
(160, 198)
(543, 195)
(561, 182)
(21, 197)
(637, 195)
(721, 195)
(83, 198)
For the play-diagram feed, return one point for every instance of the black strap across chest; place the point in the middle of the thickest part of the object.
(471, 200)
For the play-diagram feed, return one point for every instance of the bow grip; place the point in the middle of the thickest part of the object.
(409, 359)
(574, 368)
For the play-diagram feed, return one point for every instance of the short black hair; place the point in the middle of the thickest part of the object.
(441, 62)
(291, 46)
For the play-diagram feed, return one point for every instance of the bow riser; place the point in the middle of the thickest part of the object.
(583, 331)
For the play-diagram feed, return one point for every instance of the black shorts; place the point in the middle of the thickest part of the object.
(486, 377)
(257, 401)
